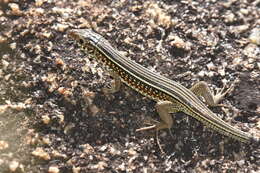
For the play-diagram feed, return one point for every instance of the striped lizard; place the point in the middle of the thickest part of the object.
(170, 96)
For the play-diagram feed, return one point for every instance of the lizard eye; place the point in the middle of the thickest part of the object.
(81, 41)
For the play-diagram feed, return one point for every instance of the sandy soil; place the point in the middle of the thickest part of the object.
(55, 118)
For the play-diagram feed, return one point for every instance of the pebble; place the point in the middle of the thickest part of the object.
(254, 37)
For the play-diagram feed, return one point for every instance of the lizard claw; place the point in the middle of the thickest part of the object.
(222, 93)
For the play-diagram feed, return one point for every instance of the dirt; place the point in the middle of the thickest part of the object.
(54, 116)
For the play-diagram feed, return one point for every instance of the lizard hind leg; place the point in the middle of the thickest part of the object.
(202, 89)
(164, 108)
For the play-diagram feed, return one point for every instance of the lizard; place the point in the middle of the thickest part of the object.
(170, 96)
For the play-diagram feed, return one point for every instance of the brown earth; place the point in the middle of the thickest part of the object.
(54, 117)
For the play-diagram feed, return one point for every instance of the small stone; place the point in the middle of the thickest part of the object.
(122, 167)
(75, 169)
(158, 15)
(255, 36)
(94, 110)
(258, 122)
(244, 11)
(53, 169)
(46, 140)
(84, 23)
(68, 127)
(251, 50)
(211, 66)
(100, 165)
(37, 49)
(39, 2)
(239, 29)
(3, 39)
(61, 27)
(46, 34)
(132, 152)
(3, 145)
(39, 152)
(38, 11)
(221, 71)
(59, 61)
(15, 9)
(61, 117)
(13, 46)
(46, 119)
(212, 162)
(103, 148)
(237, 61)
(64, 91)
(57, 154)
(201, 73)
(87, 148)
(177, 42)
(5, 64)
(13, 166)
(241, 163)
(7, 77)
(230, 17)
(114, 151)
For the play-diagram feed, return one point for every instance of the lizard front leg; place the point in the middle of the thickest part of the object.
(115, 84)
